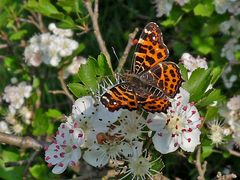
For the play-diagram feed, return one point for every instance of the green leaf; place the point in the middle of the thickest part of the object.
(184, 72)
(40, 123)
(40, 171)
(206, 151)
(88, 73)
(214, 95)
(204, 10)
(78, 89)
(203, 45)
(103, 67)
(212, 113)
(18, 35)
(173, 19)
(216, 74)
(54, 113)
(198, 83)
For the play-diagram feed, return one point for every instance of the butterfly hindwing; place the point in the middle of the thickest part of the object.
(166, 76)
(119, 96)
(150, 49)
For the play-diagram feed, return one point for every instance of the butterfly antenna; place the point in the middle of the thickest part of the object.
(114, 52)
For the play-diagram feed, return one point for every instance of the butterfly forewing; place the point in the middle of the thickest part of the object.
(150, 49)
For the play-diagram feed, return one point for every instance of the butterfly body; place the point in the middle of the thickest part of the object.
(151, 81)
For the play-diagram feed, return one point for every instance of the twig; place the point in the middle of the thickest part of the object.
(64, 86)
(29, 162)
(94, 18)
(127, 49)
(57, 92)
(226, 177)
(201, 168)
(23, 142)
(2, 46)
(15, 164)
(235, 153)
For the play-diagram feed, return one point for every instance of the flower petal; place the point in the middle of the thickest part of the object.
(83, 107)
(61, 167)
(164, 142)
(190, 140)
(96, 158)
(156, 121)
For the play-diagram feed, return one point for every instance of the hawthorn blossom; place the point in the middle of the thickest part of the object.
(229, 50)
(49, 48)
(130, 126)
(60, 32)
(4, 127)
(234, 103)
(139, 166)
(15, 95)
(65, 149)
(74, 66)
(228, 78)
(179, 127)
(191, 63)
(164, 7)
(217, 132)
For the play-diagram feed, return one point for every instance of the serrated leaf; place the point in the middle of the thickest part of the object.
(214, 95)
(88, 73)
(78, 89)
(54, 113)
(205, 10)
(198, 83)
(103, 67)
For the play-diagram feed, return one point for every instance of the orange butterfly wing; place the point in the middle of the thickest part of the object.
(119, 96)
(150, 49)
(166, 76)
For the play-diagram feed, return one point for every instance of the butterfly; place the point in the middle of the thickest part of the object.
(152, 80)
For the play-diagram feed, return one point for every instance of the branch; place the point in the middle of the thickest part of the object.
(29, 162)
(23, 142)
(234, 153)
(225, 177)
(127, 50)
(200, 168)
(94, 18)
(63, 85)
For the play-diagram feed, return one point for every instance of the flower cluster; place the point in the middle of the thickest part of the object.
(191, 63)
(101, 136)
(163, 7)
(15, 95)
(232, 6)
(49, 48)
(74, 66)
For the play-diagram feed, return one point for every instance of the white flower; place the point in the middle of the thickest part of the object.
(15, 95)
(139, 166)
(26, 114)
(228, 79)
(182, 2)
(74, 66)
(191, 63)
(65, 150)
(49, 48)
(235, 8)
(4, 127)
(216, 132)
(130, 126)
(17, 128)
(93, 118)
(234, 103)
(222, 5)
(163, 7)
(179, 127)
(230, 48)
(61, 32)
